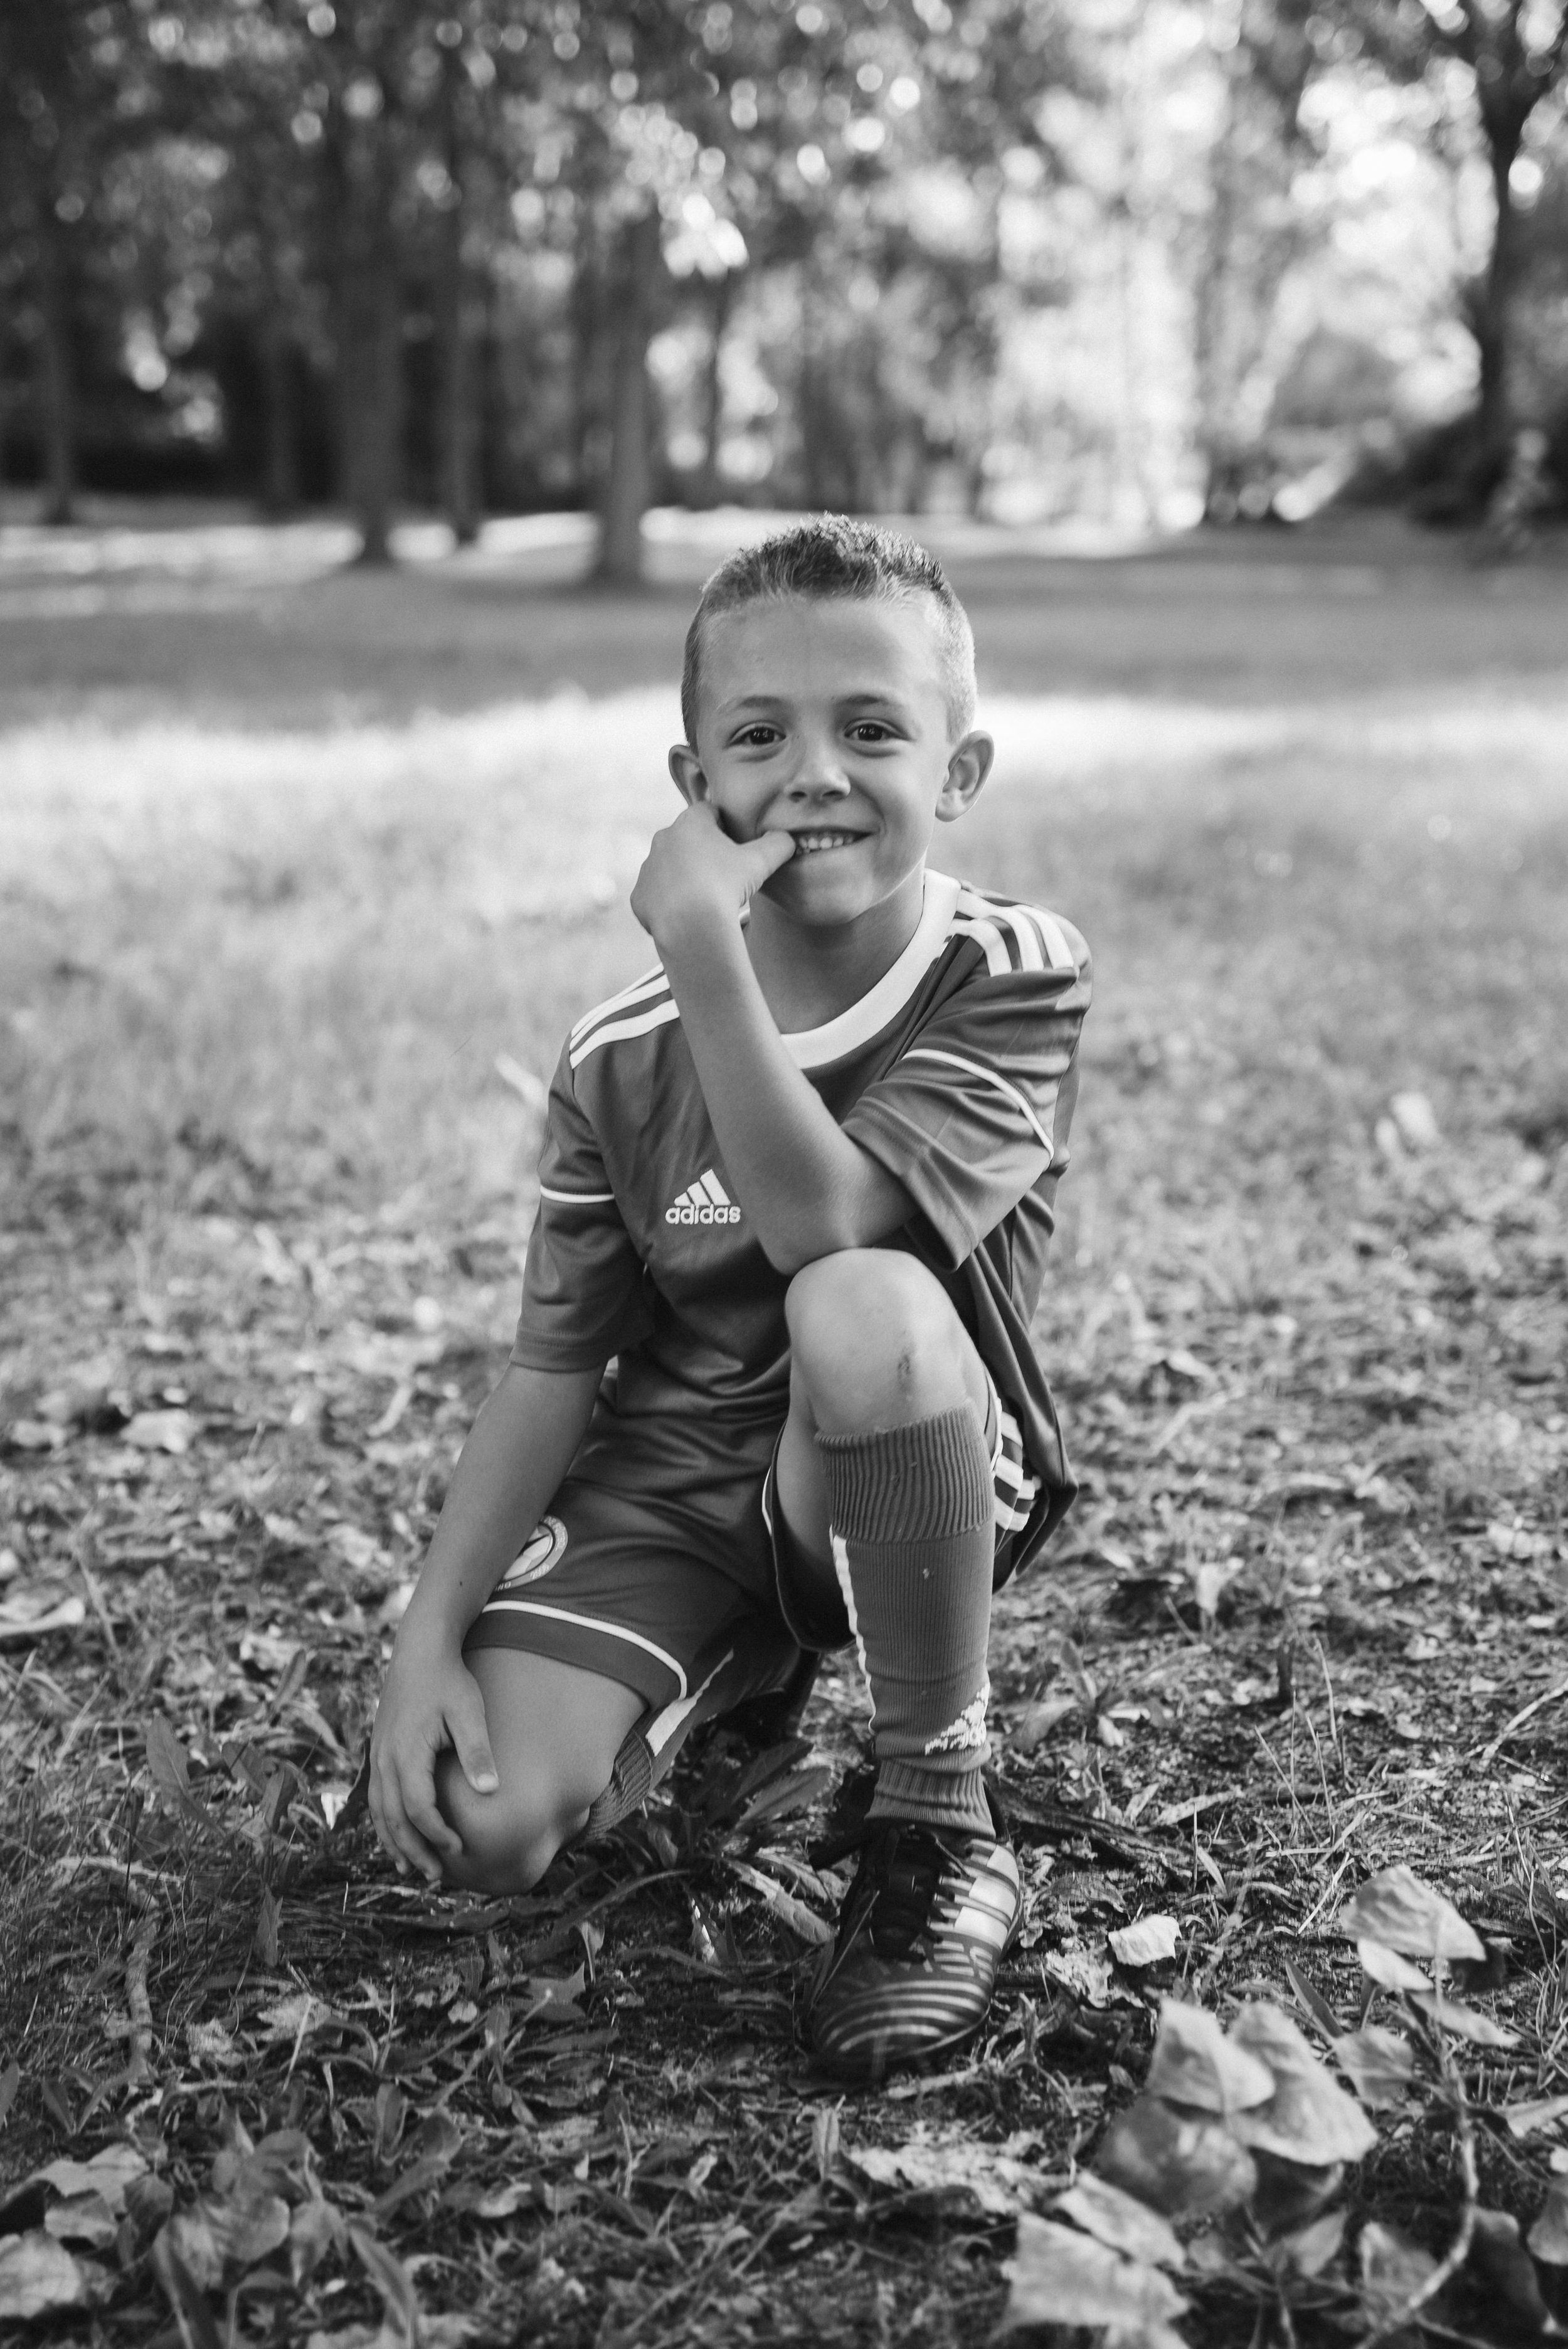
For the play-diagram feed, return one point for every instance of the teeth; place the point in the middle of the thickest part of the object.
(809, 842)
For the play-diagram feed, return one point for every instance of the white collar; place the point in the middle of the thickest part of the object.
(815, 1047)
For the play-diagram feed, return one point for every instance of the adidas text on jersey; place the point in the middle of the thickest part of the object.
(706, 1201)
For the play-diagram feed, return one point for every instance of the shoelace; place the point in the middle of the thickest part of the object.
(905, 1863)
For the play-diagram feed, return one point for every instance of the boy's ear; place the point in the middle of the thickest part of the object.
(686, 770)
(966, 772)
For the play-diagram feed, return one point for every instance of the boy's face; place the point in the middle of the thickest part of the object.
(827, 718)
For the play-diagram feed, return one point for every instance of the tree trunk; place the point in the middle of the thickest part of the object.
(1492, 320)
(379, 389)
(627, 489)
(706, 487)
(280, 483)
(588, 310)
(57, 373)
(340, 211)
(457, 420)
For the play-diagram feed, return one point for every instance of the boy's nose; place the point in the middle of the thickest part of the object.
(820, 773)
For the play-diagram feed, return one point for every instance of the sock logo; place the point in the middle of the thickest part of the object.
(968, 1731)
(706, 1201)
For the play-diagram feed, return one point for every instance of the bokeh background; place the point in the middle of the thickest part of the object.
(1122, 263)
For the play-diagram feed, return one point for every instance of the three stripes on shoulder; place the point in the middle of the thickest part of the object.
(1012, 937)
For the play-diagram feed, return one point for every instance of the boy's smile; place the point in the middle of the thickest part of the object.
(828, 719)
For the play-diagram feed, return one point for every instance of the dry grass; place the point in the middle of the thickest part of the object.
(258, 962)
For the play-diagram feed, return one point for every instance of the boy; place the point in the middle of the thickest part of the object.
(795, 1189)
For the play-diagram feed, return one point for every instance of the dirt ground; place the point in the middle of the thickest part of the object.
(303, 880)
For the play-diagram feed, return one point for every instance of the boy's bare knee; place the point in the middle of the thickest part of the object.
(509, 1837)
(874, 1339)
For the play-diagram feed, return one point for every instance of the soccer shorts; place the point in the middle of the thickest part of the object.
(698, 1605)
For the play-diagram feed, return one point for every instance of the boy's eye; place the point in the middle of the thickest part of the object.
(870, 729)
(756, 737)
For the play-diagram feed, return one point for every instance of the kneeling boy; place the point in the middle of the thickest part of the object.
(796, 1191)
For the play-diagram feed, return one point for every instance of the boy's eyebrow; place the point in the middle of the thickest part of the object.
(872, 697)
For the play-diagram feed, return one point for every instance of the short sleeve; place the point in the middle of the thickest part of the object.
(582, 1286)
(974, 1112)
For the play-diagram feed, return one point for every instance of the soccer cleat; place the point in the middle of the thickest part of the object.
(925, 1928)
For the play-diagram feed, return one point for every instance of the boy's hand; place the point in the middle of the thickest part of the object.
(431, 1702)
(694, 874)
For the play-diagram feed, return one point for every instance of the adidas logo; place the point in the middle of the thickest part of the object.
(704, 1201)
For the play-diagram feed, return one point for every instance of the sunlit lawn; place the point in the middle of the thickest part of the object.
(289, 863)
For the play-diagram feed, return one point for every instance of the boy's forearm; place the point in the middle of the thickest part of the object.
(518, 1451)
(806, 1187)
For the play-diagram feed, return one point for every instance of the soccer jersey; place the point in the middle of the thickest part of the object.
(957, 1071)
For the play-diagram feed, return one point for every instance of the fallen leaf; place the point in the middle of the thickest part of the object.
(315, 2227)
(28, 1615)
(1393, 2271)
(1309, 2118)
(161, 1431)
(1184, 2167)
(1416, 1122)
(192, 2316)
(1523, 2120)
(37, 1435)
(1396, 1909)
(1077, 1969)
(1121, 2221)
(999, 2182)
(1498, 2259)
(1175, 1815)
(38, 2274)
(1310, 2249)
(1037, 1720)
(564, 2140)
(784, 1905)
(1195, 2064)
(552, 1998)
(506, 2201)
(1463, 2021)
(82, 2218)
(110, 2173)
(295, 2016)
(1548, 2238)
(211, 2043)
(1147, 1941)
(1378, 2064)
(1387, 1970)
(1210, 1580)
(1058, 2276)
(218, 2236)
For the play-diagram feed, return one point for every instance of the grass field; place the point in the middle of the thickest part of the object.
(290, 859)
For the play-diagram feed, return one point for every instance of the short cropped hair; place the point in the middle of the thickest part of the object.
(832, 554)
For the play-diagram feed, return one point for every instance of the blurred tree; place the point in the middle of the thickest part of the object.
(1252, 233)
(72, 84)
(241, 79)
(1516, 53)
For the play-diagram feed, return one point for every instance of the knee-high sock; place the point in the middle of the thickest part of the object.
(914, 1540)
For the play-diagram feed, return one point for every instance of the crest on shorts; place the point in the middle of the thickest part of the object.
(545, 1547)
